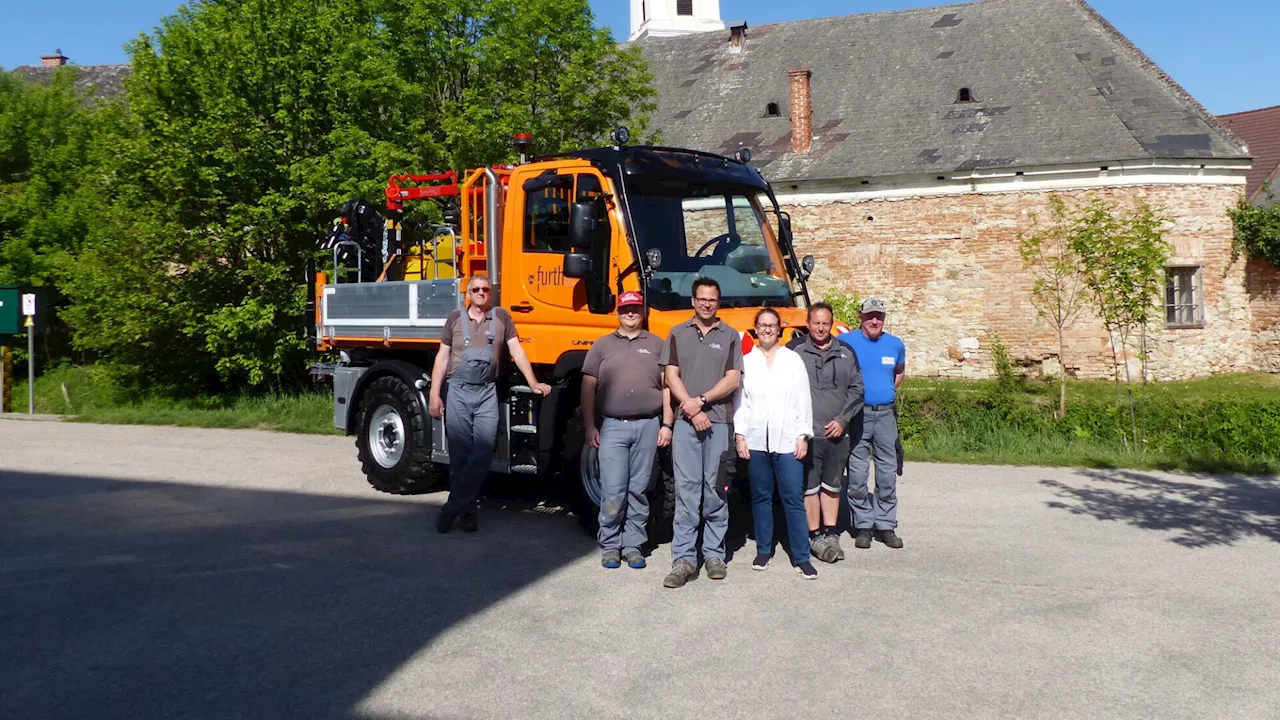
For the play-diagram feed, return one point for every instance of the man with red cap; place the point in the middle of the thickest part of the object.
(621, 379)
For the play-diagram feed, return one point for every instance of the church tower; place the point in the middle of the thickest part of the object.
(663, 18)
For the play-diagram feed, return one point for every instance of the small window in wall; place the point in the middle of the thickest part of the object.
(965, 95)
(1183, 297)
(684, 7)
(772, 110)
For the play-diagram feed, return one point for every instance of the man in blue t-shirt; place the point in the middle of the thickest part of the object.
(883, 358)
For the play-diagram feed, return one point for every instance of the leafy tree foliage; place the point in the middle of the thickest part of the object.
(1258, 227)
(1057, 289)
(248, 123)
(1122, 257)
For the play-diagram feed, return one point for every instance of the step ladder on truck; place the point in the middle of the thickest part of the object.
(559, 237)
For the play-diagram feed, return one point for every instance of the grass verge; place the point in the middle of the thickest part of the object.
(91, 394)
(1224, 424)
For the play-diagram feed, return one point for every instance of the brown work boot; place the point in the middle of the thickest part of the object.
(681, 572)
(716, 569)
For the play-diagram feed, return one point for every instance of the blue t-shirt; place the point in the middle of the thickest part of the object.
(878, 358)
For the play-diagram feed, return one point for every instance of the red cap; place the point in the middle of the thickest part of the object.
(630, 297)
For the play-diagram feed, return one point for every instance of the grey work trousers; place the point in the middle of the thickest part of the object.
(696, 459)
(471, 427)
(627, 449)
(875, 433)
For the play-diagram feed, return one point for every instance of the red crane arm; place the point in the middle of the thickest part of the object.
(409, 186)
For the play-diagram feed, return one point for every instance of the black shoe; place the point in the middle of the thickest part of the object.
(862, 539)
(468, 523)
(761, 562)
(889, 538)
(444, 523)
(806, 570)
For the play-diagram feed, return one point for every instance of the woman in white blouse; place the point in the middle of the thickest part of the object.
(773, 424)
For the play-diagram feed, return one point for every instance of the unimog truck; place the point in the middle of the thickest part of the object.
(560, 237)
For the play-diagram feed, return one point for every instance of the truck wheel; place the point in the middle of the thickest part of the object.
(393, 439)
(579, 474)
(580, 481)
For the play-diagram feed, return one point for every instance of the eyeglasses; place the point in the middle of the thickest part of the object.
(479, 290)
(771, 328)
(707, 301)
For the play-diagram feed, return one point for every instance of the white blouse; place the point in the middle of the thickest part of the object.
(773, 403)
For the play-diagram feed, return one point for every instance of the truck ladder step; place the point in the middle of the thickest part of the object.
(523, 389)
(524, 469)
(525, 429)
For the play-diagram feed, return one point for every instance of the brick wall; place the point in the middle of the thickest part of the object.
(949, 269)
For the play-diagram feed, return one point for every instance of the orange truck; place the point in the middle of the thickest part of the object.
(560, 237)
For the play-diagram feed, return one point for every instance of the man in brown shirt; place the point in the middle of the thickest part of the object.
(621, 377)
(470, 359)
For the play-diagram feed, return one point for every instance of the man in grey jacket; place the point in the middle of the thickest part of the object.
(835, 382)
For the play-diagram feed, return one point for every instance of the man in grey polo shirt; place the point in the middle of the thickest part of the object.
(703, 361)
(621, 375)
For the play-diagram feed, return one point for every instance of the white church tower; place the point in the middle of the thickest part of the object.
(663, 18)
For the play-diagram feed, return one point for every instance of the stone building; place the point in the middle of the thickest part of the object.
(911, 148)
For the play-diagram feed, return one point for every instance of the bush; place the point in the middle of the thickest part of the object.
(991, 425)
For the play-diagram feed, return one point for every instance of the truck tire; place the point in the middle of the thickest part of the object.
(580, 481)
(393, 439)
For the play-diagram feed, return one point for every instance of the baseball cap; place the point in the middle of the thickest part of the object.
(872, 305)
(630, 297)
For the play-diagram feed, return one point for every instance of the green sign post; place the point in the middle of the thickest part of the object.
(22, 310)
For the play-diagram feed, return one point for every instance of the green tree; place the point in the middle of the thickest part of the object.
(1057, 288)
(255, 119)
(1257, 227)
(1122, 254)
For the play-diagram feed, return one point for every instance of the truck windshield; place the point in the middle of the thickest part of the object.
(713, 231)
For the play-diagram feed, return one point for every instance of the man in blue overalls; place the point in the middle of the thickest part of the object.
(883, 358)
(470, 360)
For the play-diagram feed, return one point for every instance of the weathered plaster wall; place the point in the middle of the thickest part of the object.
(950, 271)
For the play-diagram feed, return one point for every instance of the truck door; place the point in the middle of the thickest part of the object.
(545, 237)
(552, 310)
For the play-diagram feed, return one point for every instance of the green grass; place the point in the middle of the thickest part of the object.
(1228, 423)
(93, 394)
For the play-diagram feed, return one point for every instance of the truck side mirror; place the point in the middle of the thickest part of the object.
(577, 265)
(582, 225)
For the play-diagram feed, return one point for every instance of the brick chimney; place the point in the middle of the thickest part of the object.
(801, 111)
(57, 59)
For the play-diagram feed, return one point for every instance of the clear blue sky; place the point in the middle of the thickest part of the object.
(1224, 53)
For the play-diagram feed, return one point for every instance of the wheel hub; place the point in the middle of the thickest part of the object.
(386, 436)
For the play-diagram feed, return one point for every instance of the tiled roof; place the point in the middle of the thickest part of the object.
(104, 81)
(1053, 83)
(1260, 130)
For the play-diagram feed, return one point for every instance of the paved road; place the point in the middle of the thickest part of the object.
(177, 573)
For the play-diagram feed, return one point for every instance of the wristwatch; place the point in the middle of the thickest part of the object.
(669, 426)
(703, 398)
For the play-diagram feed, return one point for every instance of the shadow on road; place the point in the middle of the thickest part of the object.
(1202, 510)
(124, 599)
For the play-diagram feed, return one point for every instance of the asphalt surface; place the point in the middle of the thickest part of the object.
(178, 573)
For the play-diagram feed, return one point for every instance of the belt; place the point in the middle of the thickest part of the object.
(880, 407)
(632, 418)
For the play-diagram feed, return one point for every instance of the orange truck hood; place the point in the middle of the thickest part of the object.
(740, 319)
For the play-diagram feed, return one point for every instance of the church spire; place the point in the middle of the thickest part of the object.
(662, 18)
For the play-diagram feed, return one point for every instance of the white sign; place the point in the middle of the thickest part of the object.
(29, 304)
